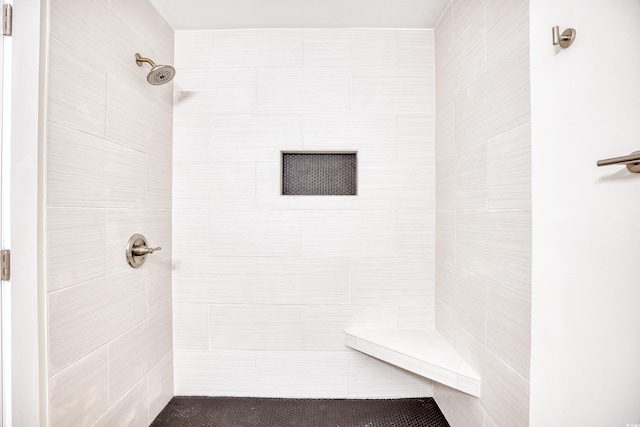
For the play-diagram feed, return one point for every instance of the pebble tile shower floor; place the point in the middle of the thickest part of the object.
(264, 412)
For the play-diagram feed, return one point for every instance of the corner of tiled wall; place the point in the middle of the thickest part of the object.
(483, 218)
(264, 285)
(108, 170)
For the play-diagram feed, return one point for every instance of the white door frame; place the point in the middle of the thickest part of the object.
(27, 346)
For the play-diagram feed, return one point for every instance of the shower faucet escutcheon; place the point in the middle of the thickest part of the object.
(137, 250)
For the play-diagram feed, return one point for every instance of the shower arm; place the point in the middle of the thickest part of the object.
(140, 60)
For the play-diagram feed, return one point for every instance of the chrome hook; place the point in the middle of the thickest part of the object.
(565, 39)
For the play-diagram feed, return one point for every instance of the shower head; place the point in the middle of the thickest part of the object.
(159, 74)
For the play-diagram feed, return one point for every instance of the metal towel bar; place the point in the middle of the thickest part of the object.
(632, 161)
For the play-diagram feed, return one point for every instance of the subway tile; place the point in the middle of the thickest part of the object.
(77, 93)
(350, 233)
(304, 90)
(255, 233)
(459, 408)
(443, 34)
(256, 48)
(203, 91)
(160, 384)
(215, 280)
(496, 245)
(373, 136)
(462, 180)
(446, 236)
(506, 17)
(469, 44)
(144, 20)
(75, 246)
(466, 294)
(509, 169)
(134, 353)
(350, 48)
(324, 325)
(85, 171)
(509, 326)
(391, 281)
(201, 184)
(130, 409)
(158, 183)
(393, 90)
(193, 49)
(215, 373)
(190, 326)
(81, 25)
(111, 304)
(190, 237)
(417, 234)
(370, 378)
(416, 317)
(488, 422)
(446, 130)
(415, 48)
(303, 280)
(154, 224)
(78, 395)
(505, 394)
(415, 186)
(255, 327)
(159, 292)
(416, 140)
(191, 134)
(472, 303)
(308, 374)
(137, 121)
(258, 137)
(493, 104)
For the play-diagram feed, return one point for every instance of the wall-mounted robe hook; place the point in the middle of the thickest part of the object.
(565, 39)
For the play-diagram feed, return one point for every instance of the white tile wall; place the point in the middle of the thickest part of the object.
(215, 373)
(370, 378)
(160, 384)
(108, 167)
(76, 246)
(302, 374)
(264, 284)
(110, 304)
(255, 327)
(78, 395)
(130, 409)
(483, 220)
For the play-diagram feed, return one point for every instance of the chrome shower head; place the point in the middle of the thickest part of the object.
(159, 74)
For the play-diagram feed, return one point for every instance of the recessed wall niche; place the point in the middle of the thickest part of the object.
(319, 174)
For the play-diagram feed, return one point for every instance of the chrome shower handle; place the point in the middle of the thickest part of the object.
(137, 250)
(143, 250)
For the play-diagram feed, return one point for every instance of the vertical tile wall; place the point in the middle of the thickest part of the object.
(108, 168)
(264, 284)
(483, 243)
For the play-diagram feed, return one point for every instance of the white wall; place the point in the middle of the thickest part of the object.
(483, 220)
(108, 176)
(585, 320)
(264, 284)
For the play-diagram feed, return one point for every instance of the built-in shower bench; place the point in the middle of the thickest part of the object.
(424, 352)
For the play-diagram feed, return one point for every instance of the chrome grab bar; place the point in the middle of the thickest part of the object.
(632, 161)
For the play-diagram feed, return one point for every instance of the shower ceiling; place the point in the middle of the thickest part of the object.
(214, 14)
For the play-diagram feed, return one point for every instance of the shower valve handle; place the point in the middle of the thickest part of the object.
(143, 250)
(137, 250)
